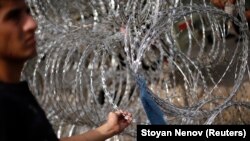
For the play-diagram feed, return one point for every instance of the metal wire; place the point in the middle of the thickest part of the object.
(89, 52)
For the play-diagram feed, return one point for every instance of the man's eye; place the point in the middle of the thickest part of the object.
(28, 11)
(14, 15)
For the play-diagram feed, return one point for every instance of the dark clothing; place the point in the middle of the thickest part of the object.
(21, 117)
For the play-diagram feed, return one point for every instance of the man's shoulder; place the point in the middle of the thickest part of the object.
(9, 101)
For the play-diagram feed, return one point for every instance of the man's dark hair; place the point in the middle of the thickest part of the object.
(1, 4)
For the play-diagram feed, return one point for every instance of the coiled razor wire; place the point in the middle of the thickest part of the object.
(90, 53)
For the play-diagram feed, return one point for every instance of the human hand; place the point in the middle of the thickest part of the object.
(115, 124)
(117, 121)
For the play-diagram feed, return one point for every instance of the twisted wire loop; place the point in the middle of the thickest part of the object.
(91, 51)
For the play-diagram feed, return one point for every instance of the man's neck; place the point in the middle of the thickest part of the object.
(10, 71)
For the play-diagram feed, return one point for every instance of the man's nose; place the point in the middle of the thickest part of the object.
(30, 24)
